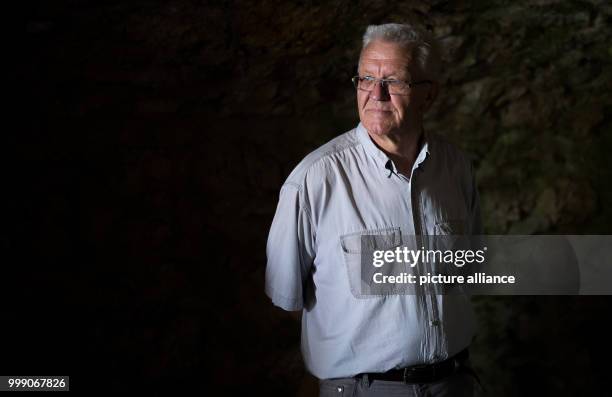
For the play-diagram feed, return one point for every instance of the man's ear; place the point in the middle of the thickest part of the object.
(430, 97)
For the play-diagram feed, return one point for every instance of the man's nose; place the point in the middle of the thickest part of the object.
(380, 92)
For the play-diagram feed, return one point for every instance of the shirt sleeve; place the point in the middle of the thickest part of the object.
(289, 250)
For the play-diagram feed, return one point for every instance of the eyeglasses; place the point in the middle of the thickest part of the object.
(394, 87)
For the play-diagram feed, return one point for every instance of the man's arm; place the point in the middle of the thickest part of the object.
(290, 251)
(296, 315)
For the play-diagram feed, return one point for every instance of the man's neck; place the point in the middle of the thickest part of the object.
(402, 148)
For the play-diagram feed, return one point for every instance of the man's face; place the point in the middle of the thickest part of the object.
(380, 112)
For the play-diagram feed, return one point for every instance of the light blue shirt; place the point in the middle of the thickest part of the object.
(346, 188)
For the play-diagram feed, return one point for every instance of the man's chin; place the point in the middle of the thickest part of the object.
(377, 129)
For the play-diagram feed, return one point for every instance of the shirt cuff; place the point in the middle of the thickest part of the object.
(288, 304)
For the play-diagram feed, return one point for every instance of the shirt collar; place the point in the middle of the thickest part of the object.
(370, 147)
(381, 159)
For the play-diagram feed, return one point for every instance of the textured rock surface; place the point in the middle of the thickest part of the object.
(154, 137)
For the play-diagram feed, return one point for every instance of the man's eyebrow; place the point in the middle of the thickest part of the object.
(390, 76)
(405, 77)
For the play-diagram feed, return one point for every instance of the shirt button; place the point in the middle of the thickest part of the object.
(340, 389)
(434, 323)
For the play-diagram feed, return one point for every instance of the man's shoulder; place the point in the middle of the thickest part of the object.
(447, 151)
(317, 163)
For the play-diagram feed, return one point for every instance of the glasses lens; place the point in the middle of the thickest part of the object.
(397, 87)
(367, 84)
(393, 86)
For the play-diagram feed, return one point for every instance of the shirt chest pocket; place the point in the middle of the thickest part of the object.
(358, 251)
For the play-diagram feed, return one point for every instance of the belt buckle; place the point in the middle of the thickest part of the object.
(416, 368)
(404, 374)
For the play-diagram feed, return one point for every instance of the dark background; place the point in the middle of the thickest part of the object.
(152, 139)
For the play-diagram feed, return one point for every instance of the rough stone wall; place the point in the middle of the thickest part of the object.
(154, 137)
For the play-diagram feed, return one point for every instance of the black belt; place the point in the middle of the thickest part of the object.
(421, 373)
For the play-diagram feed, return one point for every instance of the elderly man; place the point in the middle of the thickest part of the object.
(385, 178)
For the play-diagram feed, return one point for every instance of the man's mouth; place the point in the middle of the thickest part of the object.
(379, 111)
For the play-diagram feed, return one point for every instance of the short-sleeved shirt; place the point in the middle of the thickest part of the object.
(349, 187)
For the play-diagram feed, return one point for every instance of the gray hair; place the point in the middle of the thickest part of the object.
(421, 44)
